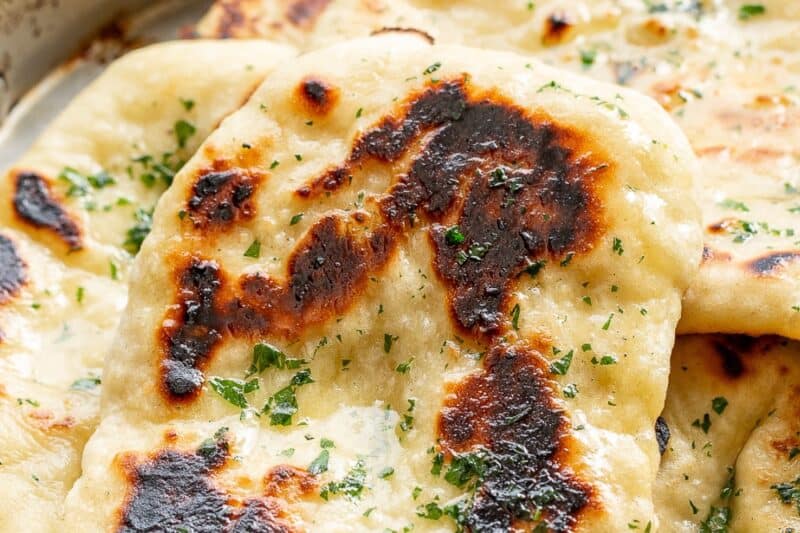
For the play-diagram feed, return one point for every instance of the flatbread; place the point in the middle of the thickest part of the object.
(81, 188)
(732, 457)
(442, 259)
(62, 291)
(727, 71)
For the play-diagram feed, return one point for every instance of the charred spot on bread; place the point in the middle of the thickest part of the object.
(772, 262)
(398, 29)
(222, 197)
(13, 271)
(35, 204)
(662, 434)
(172, 490)
(506, 420)
(556, 28)
(304, 13)
(520, 187)
(317, 95)
(194, 330)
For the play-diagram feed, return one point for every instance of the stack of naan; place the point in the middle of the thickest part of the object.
(410, 273)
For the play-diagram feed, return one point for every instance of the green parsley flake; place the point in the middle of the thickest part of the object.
(254, 250)
(137, 234)
(85, 384)
(320, 464)
(617, 246)
(719, 404)
(405, 367)
(388, 340)
(432, 68)
(561, 366)
(515, 317)
(183, 131)
(454, 236)
(234, 390)
(747, 11)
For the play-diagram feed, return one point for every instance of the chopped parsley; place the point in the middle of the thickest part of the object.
(561, 366)
(515, 317)
(405, 367)
(187, 103)
(534, 268)
(705, 425)
(454, 236)
(604, 360)
(80, 185)
(113, 270)
(234, 390)
(352, 485)
(588, 57)
(386, 472)
(139, 231)
(29, 401)
(79, 294)
(295, 219)
(183, 131)
(789, 493)
(388, 340)
(254, 250)
(432, 68)
(719, 404)
(320, 464)
(733, 204)
(85, 384)
(617, 246)
(266, 355)
(747, 11)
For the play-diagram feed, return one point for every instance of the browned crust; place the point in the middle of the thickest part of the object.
(317, 96)
(304, 13)
(37, 206)
(556, 29)
(414, 31)
(13, 270)
(171, 489)
(772, 263)
(519, 187)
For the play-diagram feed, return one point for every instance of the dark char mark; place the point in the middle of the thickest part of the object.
(317, 95)
(195, 331)
(34, 203)
(13, 271)
(555, 28)
(222, 197)
(514, 185)
(506, 415)
(304, 13)
(662, 434)
(519, 188)
(174, 491)
(231, 19)
(772, 262)
(397, 29)
(730, 348)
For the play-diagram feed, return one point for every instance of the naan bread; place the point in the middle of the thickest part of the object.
(60, 298)
(44, 429)
(462, 268)
(727, 71)
(82, 188)
(732, 457)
